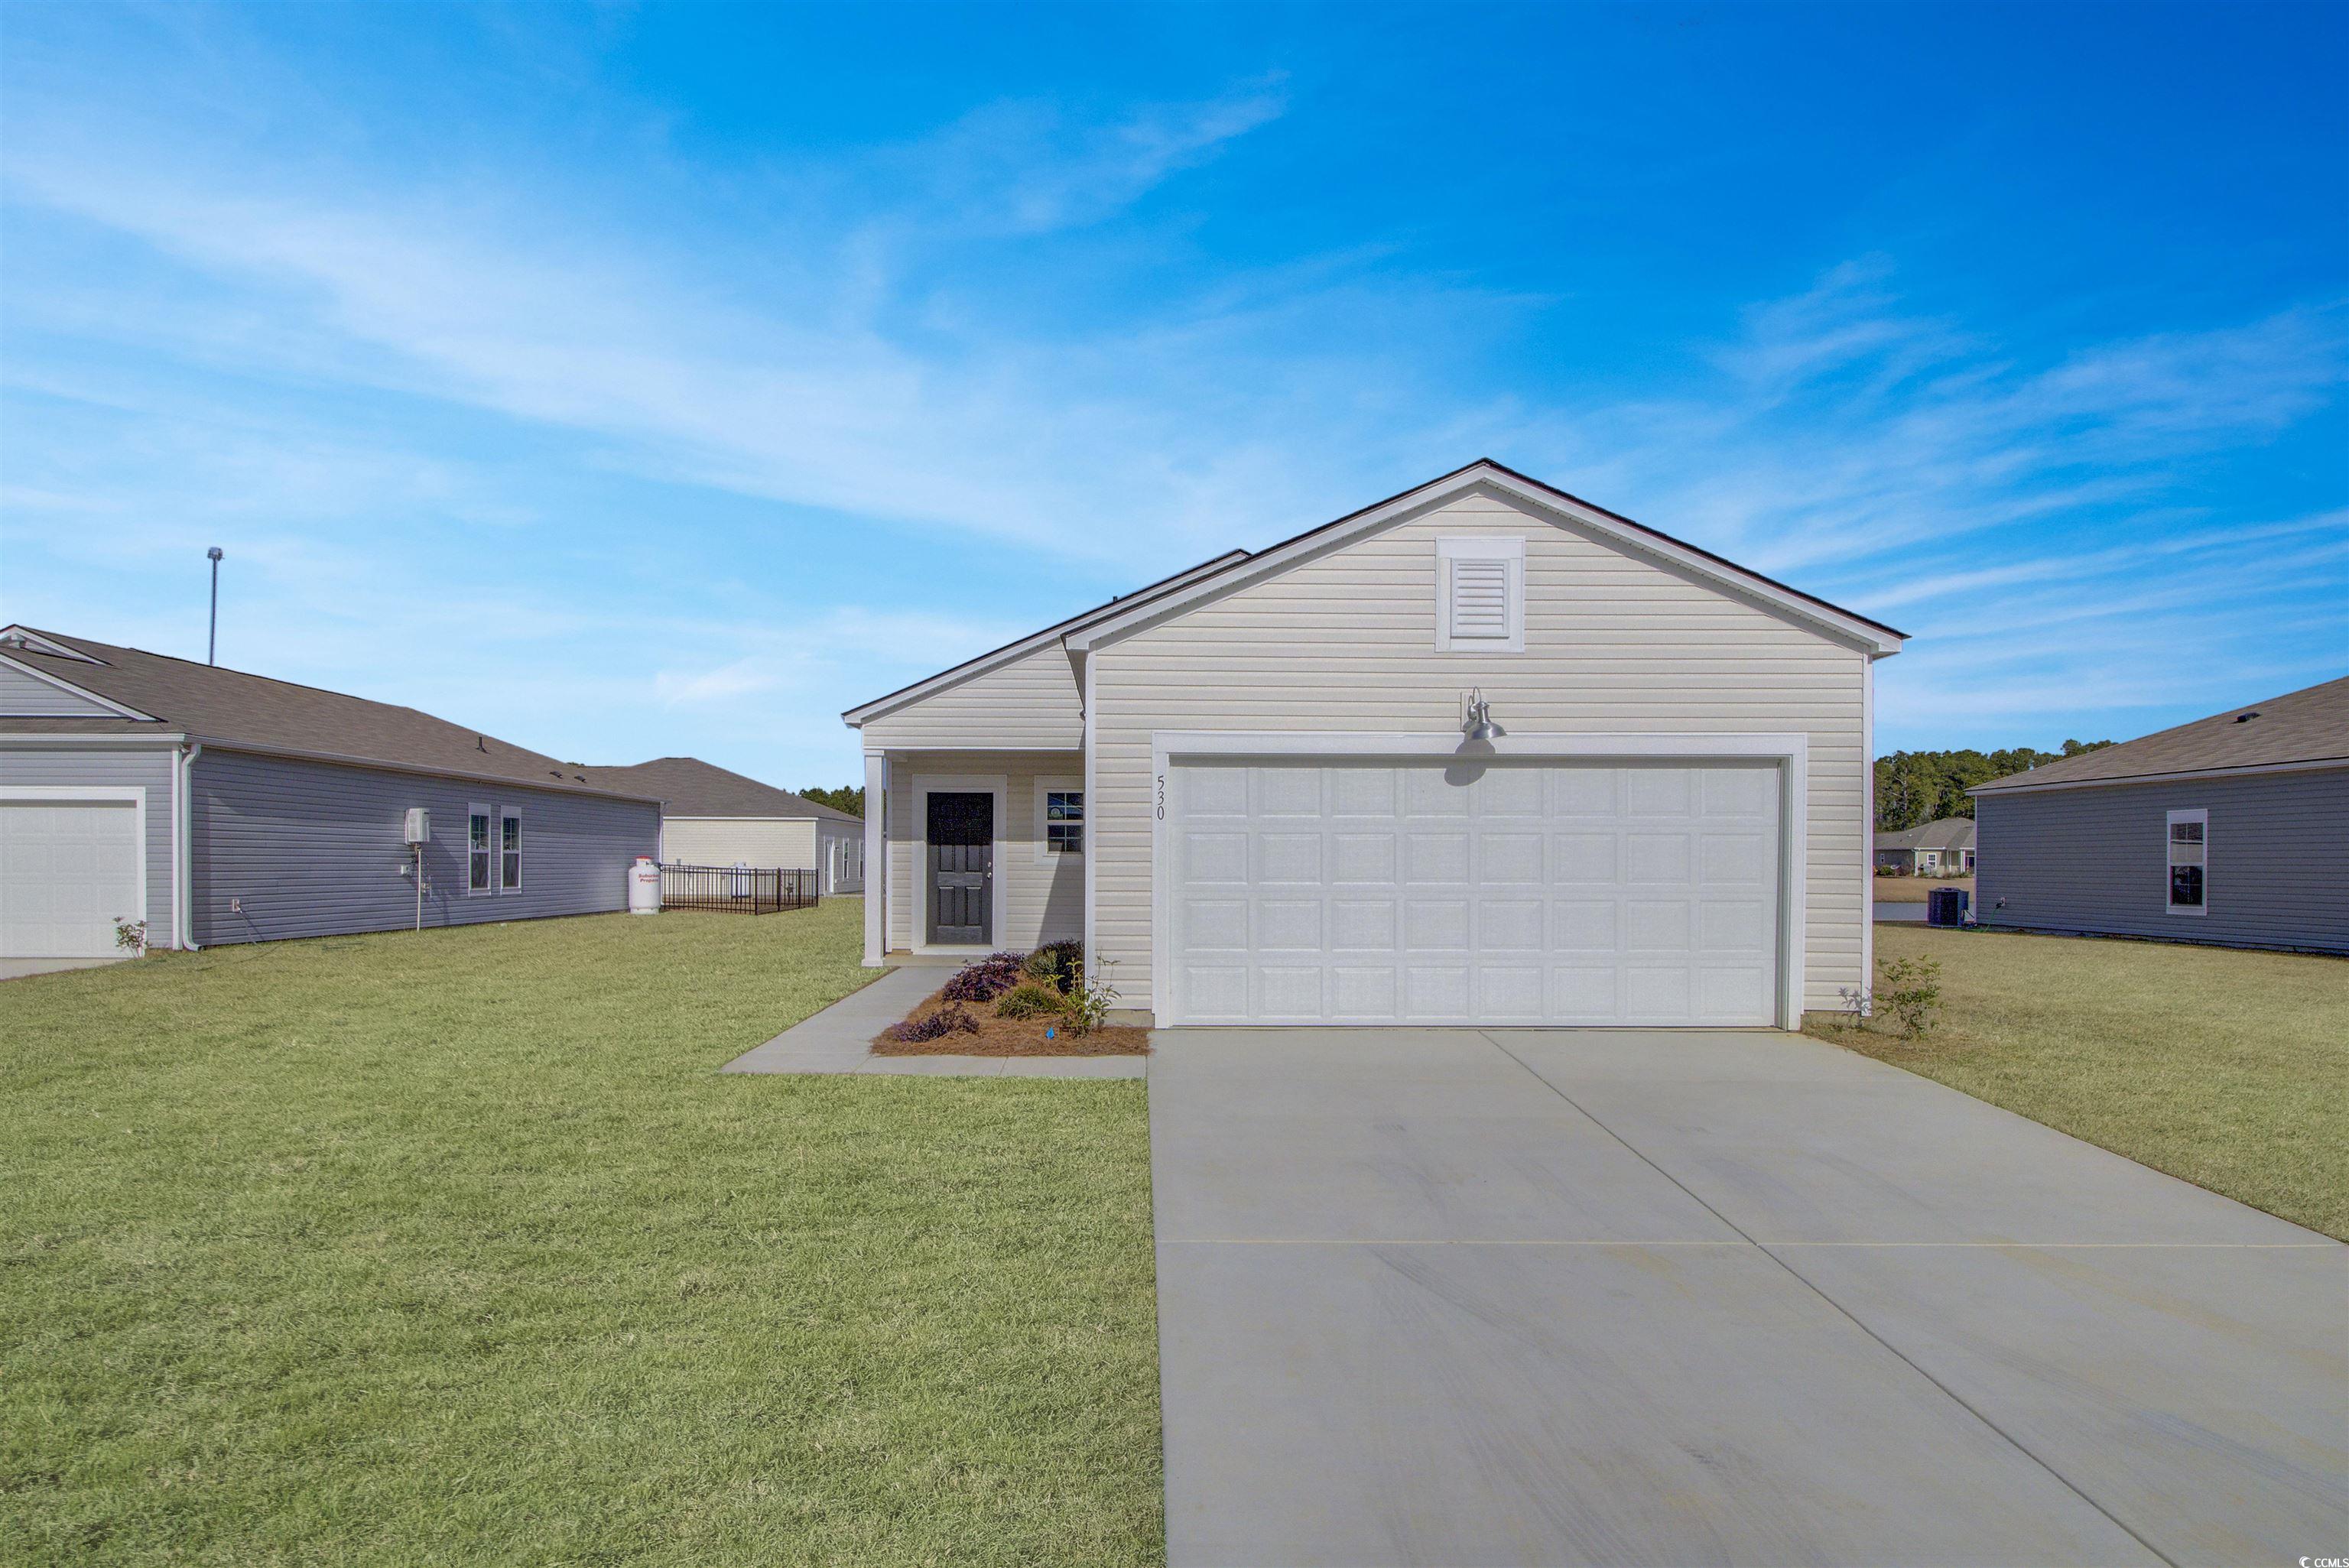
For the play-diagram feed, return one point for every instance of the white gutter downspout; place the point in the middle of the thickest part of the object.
(183, 780)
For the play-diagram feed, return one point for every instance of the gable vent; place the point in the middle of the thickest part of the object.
(1481, 582)
(1480, 599)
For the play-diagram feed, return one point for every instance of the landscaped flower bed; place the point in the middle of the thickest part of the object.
(1016, 1004)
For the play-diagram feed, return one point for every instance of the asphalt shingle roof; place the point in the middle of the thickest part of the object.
(230, 707)
(689, 786)
(1945, 833)
(2307, 726)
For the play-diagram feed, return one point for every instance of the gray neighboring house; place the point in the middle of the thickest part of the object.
(1944, 848)
(2232, 830)
(711, 816)
(223, 807)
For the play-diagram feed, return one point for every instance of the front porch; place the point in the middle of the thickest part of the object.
(978, 850)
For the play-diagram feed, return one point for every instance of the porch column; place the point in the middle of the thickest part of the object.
(876, 857)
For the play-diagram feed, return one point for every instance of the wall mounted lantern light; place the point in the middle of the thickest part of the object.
(1479, 725)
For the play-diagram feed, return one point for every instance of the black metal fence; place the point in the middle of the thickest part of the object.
(743, 889)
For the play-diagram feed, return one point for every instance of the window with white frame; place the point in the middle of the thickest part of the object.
(1480, 595)
(1060, 817)
(477, 849)
(510, 850)
(2190, 862)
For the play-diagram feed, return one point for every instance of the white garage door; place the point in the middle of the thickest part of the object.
(1511, 893)
(68, 870)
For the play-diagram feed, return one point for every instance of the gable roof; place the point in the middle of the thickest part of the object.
(1942, 833)
(2305, 729)
(995, 659)
(1633, 537)
(238, 711)
(689, 786)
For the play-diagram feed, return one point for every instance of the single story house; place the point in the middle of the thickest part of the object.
(2232, 830)
(219, 807)
(710, 816)
(1481, 753)
(1938, 849)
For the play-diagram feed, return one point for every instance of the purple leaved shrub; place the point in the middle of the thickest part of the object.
(950, 1019)
(985, 979)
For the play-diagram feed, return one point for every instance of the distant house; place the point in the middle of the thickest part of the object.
(710, 816)
(2232, 830)
(222, 807)
(1941, 849)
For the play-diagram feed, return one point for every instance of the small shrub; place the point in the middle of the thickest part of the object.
(130, 935)
(1060, 965)
(950, 1019)
(1911, 989)
(1088, 1005)
(985, 979)
(1029, 1000)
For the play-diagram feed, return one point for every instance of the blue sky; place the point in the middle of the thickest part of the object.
(665, 380)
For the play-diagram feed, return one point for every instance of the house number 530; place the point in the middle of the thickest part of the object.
(1162, 797)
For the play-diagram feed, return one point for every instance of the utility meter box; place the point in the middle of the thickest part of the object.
(419, 825)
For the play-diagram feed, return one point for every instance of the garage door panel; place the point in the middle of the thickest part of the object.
(1367, 857)
(1363, 926)
(1374, 892)
(1362, 995)
(1588, 858)
(68, 870)
(1288, 924)
(1506, 925)
(1435, 993)
(1283, 857)
(1431, 925)
(1507, 858)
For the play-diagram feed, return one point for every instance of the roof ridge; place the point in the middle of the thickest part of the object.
(274, 680)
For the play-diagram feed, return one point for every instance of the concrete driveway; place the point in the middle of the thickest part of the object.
(1629, 1298)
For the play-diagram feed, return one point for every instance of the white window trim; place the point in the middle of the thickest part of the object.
(996, 784)
(488, 889)
(498, 849)
(2200, 814)
(1044, 855)
(1508, 549)
(1791, 752)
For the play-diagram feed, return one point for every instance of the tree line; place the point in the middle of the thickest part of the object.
(848, 798)
(1917, 786)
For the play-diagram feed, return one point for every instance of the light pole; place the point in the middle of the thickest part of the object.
(212, 638)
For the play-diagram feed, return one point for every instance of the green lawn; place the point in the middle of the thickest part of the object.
(454, 1248)
(2227, 1069)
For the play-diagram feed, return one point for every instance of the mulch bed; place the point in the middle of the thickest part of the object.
(1012, 1038)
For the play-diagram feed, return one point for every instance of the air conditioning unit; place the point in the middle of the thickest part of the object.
(419, 825)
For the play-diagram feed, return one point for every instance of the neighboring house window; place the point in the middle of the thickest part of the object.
(1480, 595)
(1060, 817)
(509, 851)
(477, 849)
(2190, 862)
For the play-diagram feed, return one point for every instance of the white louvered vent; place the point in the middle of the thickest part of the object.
(1480, 599)
(1480, 584)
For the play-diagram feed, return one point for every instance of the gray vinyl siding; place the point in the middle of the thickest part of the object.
(2096, 860)
(120, 766)
(28, 697)
(312, 848)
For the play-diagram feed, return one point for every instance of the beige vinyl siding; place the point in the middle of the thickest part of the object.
(1031, 701)
(1613, 644)
(759, 842)
(1042, 902)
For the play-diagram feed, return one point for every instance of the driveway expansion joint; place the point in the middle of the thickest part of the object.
(1954, 1398)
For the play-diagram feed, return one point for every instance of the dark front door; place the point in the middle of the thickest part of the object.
(962, 869)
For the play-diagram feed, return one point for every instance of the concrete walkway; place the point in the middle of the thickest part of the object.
(840, 1040)
(1622, 1297)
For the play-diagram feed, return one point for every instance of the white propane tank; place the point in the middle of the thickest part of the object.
(644, 886)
